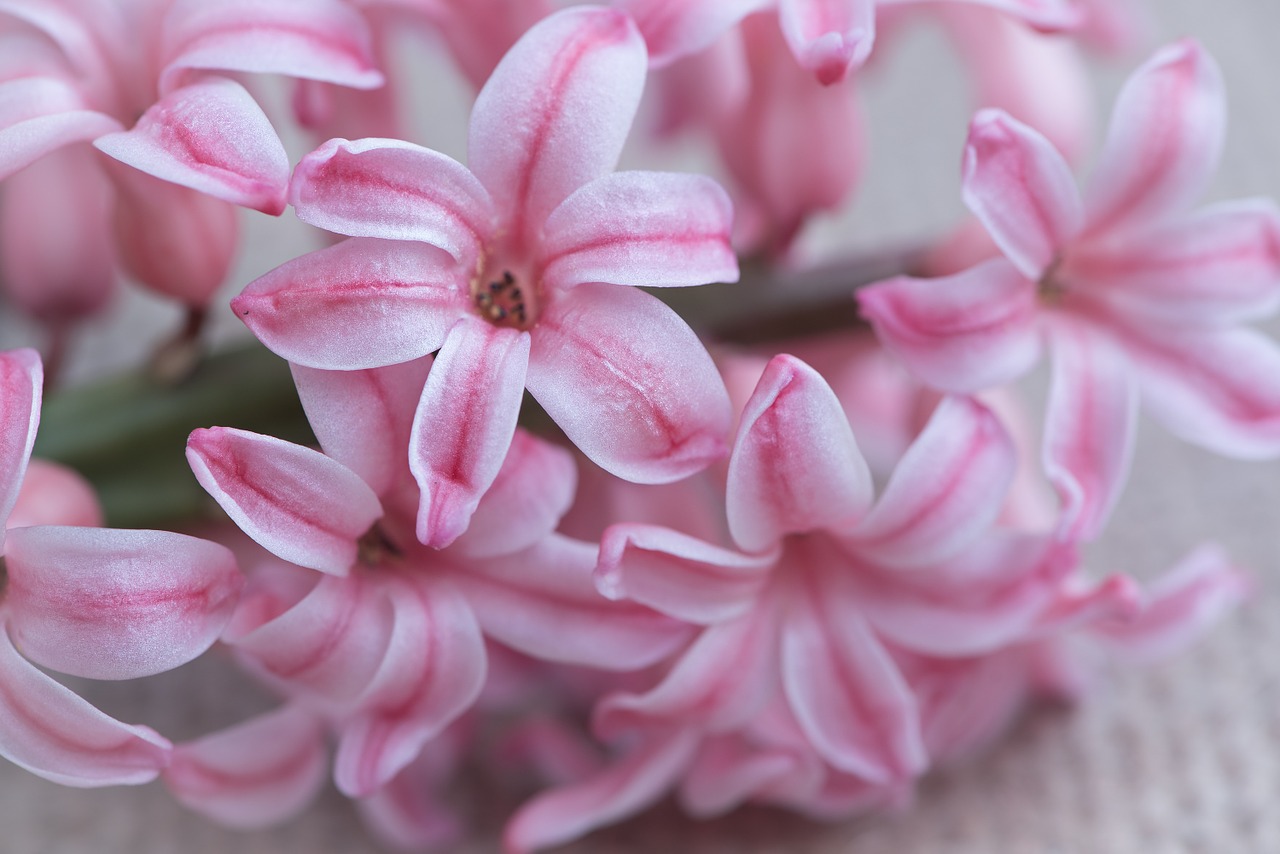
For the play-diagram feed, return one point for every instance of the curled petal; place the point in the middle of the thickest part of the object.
(21, 390)
(1022, 190)
(555, 113)
(363, 303)
(295, 502)
(1165, 139)
(656, 229)
(464, 424)
(40, 114)
(395, 190)
(675, 30)
(315, 39)
(533, 490)
(1090, 427)
(795, 465)
(961, 333)
(679, 575)
(629, 383)
(829, 37)
(407, 813)
(949, 487)
(210, 136)
(254, 775)
(621, 790)
(51, 731)
(432, 672)
(116, 604)
(730, 770)
(345, 408)
(542, 602)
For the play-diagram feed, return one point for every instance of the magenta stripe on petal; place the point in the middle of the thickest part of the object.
(21, 389)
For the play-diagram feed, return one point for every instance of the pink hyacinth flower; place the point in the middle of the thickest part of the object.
(515, 269)
(388, 640)
(92, 602)
(1128, 289)
(136, 80)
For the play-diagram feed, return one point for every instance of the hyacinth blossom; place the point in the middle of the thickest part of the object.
(389, 640)
(138, 80)
(1131, 293)
(517, 269)
(92, 602)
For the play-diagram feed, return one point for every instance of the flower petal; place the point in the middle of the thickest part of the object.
(395, 190)
(675, 30)
(639, 779)
(829, 37)
(115, 604)
(1047, 15)
(1090, 426)
(346, 408)
(656, 229)
(1022, 189)
(433, 671)
(53, 494)
(295, 502)
(1164, 142)
(680, 575)
(21, 390)
(210, 136)
(542, 602)
(314, 39)
(464, 423)
(795, 465)
(629, 383)
(961, 333)
(40, 114)
(555, 113)
(51, 731)
(363, 303)
(254, 775)
(949, 487)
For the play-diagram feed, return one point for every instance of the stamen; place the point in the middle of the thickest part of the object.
(503, 302)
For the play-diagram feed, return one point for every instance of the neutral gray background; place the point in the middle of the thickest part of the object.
(1182, 757)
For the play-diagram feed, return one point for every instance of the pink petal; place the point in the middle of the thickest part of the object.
(795, 465)
(254, 775)
(315, 39)
(629, 383)
(642, 777)
(49, 730)
(91, 34)
(329, 644)
(828, 37)
(346, 408)
(1048, 15)
(210, 136)
(40, 114)
(675, 30)
(679, 575)
(1022, 190)
(1217, 389)
(729, 771)
(407, 813)
(1181, 605)
(363, 303)
(464, 423)
(961, 333)
(114, 604)
(53, 494)
(719, 683)
(845, 691)
(656, 229)
(1218, 265)
(555, 113)
(542, 602)
(21, 389)
(293, 501)
(948, 488)
(396, 190)
(433, 671)
(1164, 142)
(1090, 427)
(533, 490)
(56, 256)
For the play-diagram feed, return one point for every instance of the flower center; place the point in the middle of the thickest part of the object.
(374, 547)
(1051, 288)
(503, 301)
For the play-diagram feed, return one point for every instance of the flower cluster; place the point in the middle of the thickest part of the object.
(538, 509)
